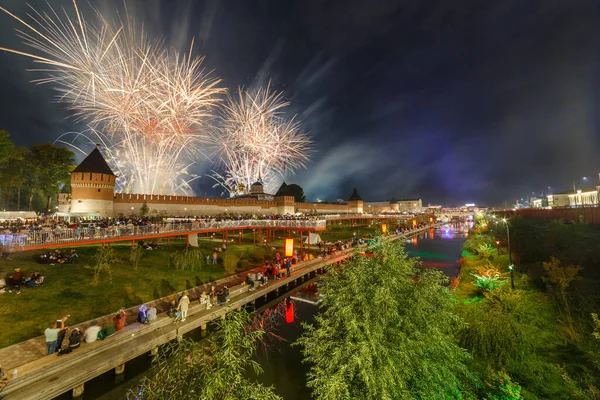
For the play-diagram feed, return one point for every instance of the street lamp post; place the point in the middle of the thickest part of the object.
(498, 246)
(511, 266)
(575, 190)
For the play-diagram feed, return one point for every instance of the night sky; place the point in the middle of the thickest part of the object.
(451, 101)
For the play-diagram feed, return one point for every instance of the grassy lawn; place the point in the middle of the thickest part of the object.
(67, 289)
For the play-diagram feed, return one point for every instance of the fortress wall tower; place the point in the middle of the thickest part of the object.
(93, 186)
(285, 205)
(355, 202)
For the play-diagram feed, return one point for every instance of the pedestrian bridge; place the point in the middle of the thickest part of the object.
(62, 237)
(65, 237)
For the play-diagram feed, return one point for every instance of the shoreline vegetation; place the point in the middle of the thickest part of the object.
(535, 341)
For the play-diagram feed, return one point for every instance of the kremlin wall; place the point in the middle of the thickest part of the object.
(92, 195)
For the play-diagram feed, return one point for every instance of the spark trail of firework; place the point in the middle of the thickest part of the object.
(148, 106)
(256, 140)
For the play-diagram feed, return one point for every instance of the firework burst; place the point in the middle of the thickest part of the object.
(150, 107)
(255, 140)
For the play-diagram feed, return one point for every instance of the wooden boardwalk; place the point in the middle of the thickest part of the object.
(50, 376)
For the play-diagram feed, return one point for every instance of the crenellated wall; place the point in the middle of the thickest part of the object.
(128, 204)
(323, 208)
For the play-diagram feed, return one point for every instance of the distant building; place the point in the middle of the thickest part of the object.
(394, 205)
(584, 197)
(537, 202)
(559, 199)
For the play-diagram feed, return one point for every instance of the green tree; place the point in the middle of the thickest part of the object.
(52, 164)
(12, 160)
(384, 331)
(7, 147)
(230, 262)
(560, 277)
(297, 192)
(596, 326)
(18, 170)
(103, 260)
(499, 329)
(144, 210)
(215, 369)
(135, 255)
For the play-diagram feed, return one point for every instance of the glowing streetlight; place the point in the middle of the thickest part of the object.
(575, 190)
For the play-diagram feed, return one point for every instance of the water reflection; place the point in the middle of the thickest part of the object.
(440, 247)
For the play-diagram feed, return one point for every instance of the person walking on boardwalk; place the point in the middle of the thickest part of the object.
(288, 266)
(184, 303)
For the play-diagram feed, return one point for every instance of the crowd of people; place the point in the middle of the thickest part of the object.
(18, 279)
(58, 257)
(56, 332)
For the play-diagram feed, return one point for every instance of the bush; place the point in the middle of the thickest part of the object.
(189, 259)
(258, 255)
(499, 330)
(475, 243)
(230, 262)
(243, 265)
(488, 280)
(501, 387)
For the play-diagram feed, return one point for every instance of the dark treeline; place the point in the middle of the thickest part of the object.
(31, 177)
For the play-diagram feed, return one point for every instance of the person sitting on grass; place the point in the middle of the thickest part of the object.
(38, 279)
(18, 279)
(9, 283)
(29, 282)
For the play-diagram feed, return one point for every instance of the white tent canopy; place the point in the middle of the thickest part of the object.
(312, 238)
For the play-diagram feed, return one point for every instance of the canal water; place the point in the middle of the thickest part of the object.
(282, 363)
